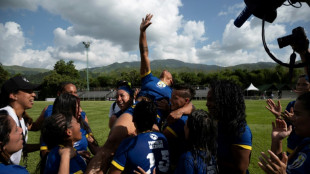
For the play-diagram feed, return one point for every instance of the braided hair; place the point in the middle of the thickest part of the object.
(229, 107)
(202, 136)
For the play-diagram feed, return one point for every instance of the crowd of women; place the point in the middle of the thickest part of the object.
(152, 130)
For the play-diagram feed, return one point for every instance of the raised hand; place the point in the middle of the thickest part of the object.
(288, 116)
(280, 130)
(273, 165)
(146, 22)
(273, 108)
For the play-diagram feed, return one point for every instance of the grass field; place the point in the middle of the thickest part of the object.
(259, 120)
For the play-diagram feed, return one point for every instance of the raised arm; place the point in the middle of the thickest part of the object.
(279, 132)
(275, 109)
(145, 66)
(122, 129)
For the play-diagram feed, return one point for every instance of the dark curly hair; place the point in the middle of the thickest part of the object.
(54, 129)
(5, 130)
(229, 107)
(202, 135)
(144, 115)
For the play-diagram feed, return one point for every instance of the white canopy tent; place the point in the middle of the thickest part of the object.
(251, 88)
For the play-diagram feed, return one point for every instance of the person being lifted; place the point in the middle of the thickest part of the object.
(158, 89)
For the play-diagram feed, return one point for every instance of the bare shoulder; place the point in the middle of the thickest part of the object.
(125, 121)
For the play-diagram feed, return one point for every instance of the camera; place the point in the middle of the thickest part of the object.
(298, 39)
(263, 9)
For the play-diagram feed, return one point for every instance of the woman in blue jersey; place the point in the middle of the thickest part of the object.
(225, 102)
(302, 86)
(200, 133)
(60, 132)
(124, 99)
(148, 149)
(298, 162)
(70, 103)
(11, 141)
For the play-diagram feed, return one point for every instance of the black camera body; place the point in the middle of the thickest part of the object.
(298, 39)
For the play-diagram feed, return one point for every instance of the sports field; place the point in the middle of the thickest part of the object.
(258, 117)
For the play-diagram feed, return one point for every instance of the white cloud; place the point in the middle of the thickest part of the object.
(12, 39)
(289, 14)
(112, 27)
(232, 10)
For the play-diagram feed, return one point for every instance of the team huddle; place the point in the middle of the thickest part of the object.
(155, 129)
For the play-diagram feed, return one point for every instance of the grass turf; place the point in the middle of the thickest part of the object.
(258, 117)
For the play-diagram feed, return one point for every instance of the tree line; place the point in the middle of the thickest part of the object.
(66, 71)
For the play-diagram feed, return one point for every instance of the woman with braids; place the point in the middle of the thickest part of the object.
(17, 95)
(200, 133)
(11, 141)
(60, 132)
(225, 102)
(298, 162)
(70, 103)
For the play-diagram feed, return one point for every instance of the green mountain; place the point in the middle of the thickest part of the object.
(24, 70)
(175, 66)
(178, 66)
(254, 66)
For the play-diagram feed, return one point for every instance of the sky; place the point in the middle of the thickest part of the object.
(38, 33)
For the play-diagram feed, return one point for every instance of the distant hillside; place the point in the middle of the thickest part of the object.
(254, 66)
(37, 74)
(169, 64)
(24, 70)
(179, 66)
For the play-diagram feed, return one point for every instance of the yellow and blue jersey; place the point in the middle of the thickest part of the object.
(147, 150)
(155, 88)
(300, 163)
(189, 165)
(293, 139)
(10, 169)
(177, 128)
(178, 143)
(224, 152)
(77, 163)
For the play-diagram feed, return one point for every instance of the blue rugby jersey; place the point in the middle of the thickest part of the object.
(147, 150)
(188, 165)
(293, 140)
(178, 143)
(77, 163)
(224, 146)
(154, 87)
(12, 169)
(300, 163)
